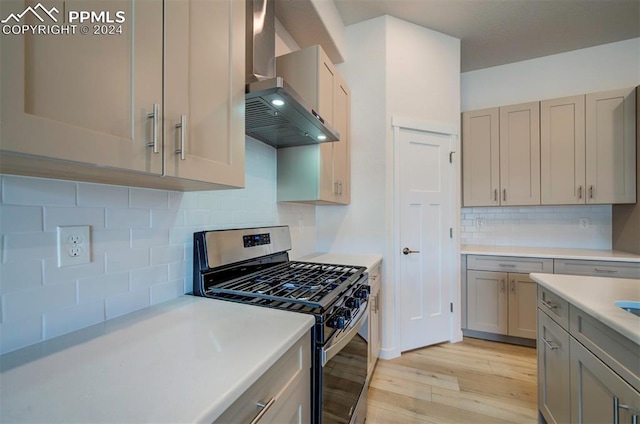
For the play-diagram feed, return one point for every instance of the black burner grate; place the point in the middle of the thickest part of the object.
(310, 284)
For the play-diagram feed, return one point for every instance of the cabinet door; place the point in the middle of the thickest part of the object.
(480, 158)
(523, 299)
(598, 395)
(611, 146)
(487, 301)
(554, 380)
(520, 154)
(204, 90)
(562, 151)
(341, 159)
(85, 98)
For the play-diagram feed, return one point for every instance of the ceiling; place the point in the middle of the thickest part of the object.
(496, 32)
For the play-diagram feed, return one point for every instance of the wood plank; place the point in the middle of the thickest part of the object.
(473, 381)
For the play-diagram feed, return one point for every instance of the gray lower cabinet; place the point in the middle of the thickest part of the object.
(501, 303)
(553, 371)
(281, 395)
(587, 373)
(599, 395)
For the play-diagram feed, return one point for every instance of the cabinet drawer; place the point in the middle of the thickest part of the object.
(619, 353)
(597, 268)
(509, 264)
(290, 374)
(554, 306)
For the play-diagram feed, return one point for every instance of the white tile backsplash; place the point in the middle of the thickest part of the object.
(20, 219)
(35, 191)
(538, 226)
(142, 245)
(55, 217)
(103, 195)
(99, 288)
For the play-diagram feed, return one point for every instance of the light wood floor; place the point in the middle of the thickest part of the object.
(474, 381)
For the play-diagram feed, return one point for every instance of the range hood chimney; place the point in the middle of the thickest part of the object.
(274, 113)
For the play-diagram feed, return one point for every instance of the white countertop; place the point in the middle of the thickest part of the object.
(369, 261)
(185, 360)
(551, 252)
(595, 296)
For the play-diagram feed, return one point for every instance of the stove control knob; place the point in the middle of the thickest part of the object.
(362, 293)
(352, 302)
(337, 321)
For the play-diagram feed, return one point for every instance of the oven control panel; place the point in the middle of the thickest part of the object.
(256, 240)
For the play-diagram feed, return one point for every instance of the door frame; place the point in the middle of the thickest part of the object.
(452, 131)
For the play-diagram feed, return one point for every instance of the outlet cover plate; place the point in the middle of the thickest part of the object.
(74, 245)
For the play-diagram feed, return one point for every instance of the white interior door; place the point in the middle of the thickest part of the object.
(425, 181)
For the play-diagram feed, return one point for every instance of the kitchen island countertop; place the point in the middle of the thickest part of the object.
(185, 360)
(596, 297)
(552, 252)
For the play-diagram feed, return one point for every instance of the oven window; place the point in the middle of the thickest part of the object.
(343, 379)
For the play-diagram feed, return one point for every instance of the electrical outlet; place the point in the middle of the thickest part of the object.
(480, 222)
(584, 223)
(74, 245)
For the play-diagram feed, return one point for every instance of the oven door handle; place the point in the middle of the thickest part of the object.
(337, 346)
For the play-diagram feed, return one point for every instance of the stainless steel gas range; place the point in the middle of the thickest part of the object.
(252, 266)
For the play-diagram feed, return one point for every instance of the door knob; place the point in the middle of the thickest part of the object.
(406, 251)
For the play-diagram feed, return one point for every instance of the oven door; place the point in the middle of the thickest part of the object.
(344, 375)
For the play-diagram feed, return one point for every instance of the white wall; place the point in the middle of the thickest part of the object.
(593, 69)
(599, 68)
(394, 68)
(141, 245)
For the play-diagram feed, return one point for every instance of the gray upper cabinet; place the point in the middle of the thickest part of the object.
(501, 156)
(562, 151)
(481, 157)
(588, 149)
(320, 173)
(520, 154)
(566, 151)
(86, 98)
(204, 49)
(611, 147)
(158, 105)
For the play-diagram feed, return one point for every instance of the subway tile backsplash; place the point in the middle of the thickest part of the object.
(141, 245)
(537, 226)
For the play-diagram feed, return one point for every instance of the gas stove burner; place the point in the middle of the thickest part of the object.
(309, 284)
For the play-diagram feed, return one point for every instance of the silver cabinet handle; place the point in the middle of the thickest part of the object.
(513, 286)
(605, 271)
(590, 192)
(504, 195)
(617, 406)
(183, 136)
(580, 192)
(495, 195)
(407, 251)
(549, 344)
(154, 127)
(508, 265)
(549, 304)
(335, 188)
(264, 407)
(502, 286)
(340, 186)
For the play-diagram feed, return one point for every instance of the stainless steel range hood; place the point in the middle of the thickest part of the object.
(274, 113)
